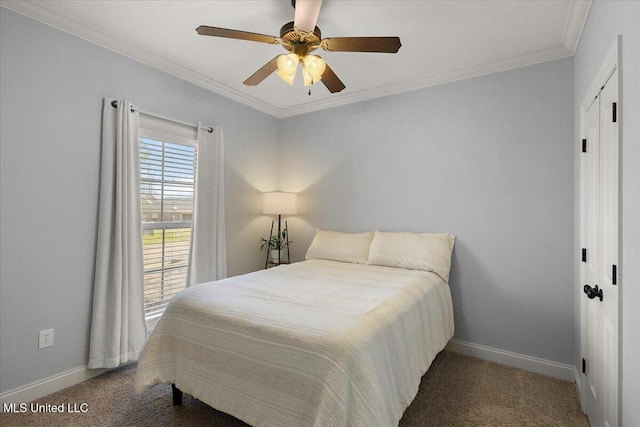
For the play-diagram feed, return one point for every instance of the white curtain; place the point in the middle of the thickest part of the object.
(118, 327)
(208, 254)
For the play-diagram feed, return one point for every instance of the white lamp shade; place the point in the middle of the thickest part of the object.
(279, 203)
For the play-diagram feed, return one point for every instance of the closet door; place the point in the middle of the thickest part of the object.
(591, 236)
(609, 244)
(599, 235)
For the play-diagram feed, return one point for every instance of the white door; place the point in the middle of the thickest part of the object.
(599, 236)
(590, 189)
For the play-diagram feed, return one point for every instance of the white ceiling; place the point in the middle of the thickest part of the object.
(441, 41)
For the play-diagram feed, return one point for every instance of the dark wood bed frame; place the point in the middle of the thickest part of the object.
(177, 395)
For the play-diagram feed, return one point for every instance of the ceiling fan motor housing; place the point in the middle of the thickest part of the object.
(291, 37)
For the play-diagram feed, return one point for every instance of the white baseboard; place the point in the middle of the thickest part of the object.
(38, 389)
(516, 360)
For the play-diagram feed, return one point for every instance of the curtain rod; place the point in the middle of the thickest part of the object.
(209, 129)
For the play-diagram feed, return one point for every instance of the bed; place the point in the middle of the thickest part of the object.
(315, 343)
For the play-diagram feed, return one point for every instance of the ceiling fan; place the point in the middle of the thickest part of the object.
(300, 38)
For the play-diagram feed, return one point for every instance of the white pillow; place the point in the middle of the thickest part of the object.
(336, 246)
(426, 251)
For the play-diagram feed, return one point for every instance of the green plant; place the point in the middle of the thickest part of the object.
(277, 242)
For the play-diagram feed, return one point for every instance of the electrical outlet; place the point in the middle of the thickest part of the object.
(45, 339)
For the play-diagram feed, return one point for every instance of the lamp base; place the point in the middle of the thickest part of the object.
(275, 257)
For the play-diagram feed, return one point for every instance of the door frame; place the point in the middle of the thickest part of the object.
(609, 66)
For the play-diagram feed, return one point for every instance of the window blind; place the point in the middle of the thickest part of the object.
(167, 188)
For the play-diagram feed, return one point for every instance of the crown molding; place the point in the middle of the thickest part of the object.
(546, 55)
(576, 21)
(40, 12)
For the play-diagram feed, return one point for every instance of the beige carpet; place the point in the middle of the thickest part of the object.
(456, 391)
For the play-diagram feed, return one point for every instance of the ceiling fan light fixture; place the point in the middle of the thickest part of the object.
(307, 78)
(286, 78)
(313, 67)
(287, 67)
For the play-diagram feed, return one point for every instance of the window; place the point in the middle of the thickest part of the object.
(168, 157)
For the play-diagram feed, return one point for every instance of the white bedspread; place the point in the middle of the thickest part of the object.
(316, 343)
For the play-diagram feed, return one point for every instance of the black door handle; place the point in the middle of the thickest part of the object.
(593, 292)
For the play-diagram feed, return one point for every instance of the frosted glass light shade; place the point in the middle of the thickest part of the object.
(279, 203)
(313, 68)
(287, 67)
(306, 77)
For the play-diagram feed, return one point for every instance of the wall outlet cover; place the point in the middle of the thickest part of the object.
(45, 339)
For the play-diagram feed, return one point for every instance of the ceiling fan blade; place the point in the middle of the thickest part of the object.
(331, 81)
(306, 14)
(262, 73)
(204, 30)
(362, 44)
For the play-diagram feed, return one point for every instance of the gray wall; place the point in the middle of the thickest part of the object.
(606, 21)
(52, 87)
(489, 159)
